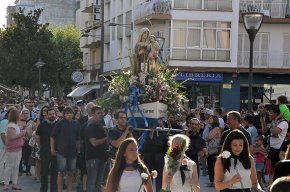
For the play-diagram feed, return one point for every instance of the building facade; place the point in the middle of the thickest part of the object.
(55, 12)
(204, 39)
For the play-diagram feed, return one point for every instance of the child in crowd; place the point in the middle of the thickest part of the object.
(260, 154)
(284, 110)
(185, 177)
(126, 172)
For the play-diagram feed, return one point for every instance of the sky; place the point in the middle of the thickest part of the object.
(3, 6)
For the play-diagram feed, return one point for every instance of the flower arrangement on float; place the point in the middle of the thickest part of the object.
(151, 88)
(148, 89)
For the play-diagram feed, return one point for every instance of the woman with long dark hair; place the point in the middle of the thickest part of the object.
(126, 172)
(235, 167)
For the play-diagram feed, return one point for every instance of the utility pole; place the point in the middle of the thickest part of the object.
(102, 46)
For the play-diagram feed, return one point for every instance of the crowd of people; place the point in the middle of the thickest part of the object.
(83, 143)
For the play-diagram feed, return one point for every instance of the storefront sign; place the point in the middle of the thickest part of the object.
(227, 86)
(205, 77)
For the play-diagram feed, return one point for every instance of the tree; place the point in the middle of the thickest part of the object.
(24, 43)
(67, 56)
(21, 45)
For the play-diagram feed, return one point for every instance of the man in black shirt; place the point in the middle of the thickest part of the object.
(96, 146)
(234, 122)
(65, 140)
(122, 131)
(48, 162)
(197, 146)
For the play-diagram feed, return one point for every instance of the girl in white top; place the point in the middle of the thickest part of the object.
(235, 168)
(185, 179)
(126, 173)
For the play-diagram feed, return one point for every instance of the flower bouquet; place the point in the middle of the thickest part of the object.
(173, 160)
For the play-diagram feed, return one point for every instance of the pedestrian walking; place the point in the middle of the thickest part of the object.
(235, 167)
(47, 161)
(96, 145)
(65, 145)
(14, 143)
(126, 173)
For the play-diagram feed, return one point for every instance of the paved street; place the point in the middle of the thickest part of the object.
(29, 185)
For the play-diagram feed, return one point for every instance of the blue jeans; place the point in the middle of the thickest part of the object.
(65, 164)
(95, 169)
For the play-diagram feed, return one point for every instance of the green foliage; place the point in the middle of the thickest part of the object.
(23, 43)
(20, 46)
(67, 55)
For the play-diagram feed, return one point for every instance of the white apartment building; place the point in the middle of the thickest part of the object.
(204, 39)
(55, 12)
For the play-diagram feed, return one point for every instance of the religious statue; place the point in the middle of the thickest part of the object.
(153, 54)
(145, 52)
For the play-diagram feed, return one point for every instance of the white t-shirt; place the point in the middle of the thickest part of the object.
(276, 142)
(130, 181)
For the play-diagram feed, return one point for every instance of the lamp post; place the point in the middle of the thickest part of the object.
(252, 23)
(39, 64)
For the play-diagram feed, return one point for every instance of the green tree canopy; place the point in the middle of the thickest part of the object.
(67, 55)
(22, 44)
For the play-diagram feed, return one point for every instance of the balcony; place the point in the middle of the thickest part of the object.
(265, 59)
(211, 5)
(92, 40)
(153, 11)
(278, 11)
(88, 6)
(95, 67)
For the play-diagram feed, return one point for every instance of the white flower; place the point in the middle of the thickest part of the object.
(154, 174)
(226, 154)
(187, 162)
(144, 176)
(184, 162)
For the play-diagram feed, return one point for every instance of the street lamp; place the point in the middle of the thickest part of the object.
(39, 64)
(252, 24)
(122, 24)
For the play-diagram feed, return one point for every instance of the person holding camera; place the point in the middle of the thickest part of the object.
(118, 134)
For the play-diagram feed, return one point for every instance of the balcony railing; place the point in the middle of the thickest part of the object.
(216, 5)
(271, 9)
(265, 59)
(152, 7)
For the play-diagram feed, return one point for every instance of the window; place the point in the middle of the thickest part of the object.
(220, 5)
(113, 30)
(286, 50)
(107, 51)
(261, 49)
(120, 48)
(201, 40)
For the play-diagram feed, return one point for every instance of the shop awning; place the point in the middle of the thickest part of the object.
(82, 90)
